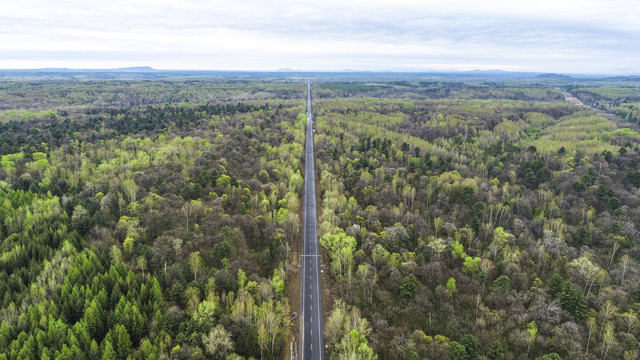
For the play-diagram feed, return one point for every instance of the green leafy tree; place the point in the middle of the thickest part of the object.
(496, 352)
(579, 186)
(532, 329)
(195, 261)
(614, 204)
(471, 346)
(128, 245)
(451, 285)
(551, 356)
(457, 351)
(81, 219)
(502, 283)
(470, 265)
(458, 250)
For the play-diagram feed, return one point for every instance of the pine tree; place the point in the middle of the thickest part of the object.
(108, 353)
(555, 284)
(409, 287)
(573, 301)
(93, 319)
(123, 342)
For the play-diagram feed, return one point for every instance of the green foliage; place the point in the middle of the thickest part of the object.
(277, 282)
(81, 219)
(409, 287)
(573, 301)
(98, 246)
(123, 341)
(340, 247)
(555, 285)
(532, 329)
(458, 250)
(457, 351)
(634, 177)
(502, 283)
(614, 204)
(583, 236)
(551, 356)
(109, 352)
(471, 346)
(105, 198)
(579, 186)
(570, 299)
(467, 195)
(223, 181)
(470, 265)
(576, 133)
(496, 352)
(221, 250)
(128, 245)
(451, 286)
(346, 333)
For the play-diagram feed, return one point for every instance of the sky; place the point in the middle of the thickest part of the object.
(563, 36)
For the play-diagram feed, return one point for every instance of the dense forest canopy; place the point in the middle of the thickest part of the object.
(462, 220)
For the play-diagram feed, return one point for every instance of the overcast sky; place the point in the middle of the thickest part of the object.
(543, 35)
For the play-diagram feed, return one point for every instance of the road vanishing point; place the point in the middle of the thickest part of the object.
(311, 339)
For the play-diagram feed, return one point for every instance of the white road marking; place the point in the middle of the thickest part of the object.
(311, 238)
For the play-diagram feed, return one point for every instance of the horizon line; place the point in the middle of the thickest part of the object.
(143, 69)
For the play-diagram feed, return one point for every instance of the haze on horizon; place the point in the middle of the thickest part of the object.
(567, 36)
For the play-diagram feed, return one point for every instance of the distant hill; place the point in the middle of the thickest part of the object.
(554, 76)
(135, 68)
(149, 73)
(63, 70)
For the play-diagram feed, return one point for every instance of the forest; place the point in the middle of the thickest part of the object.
(459, 219)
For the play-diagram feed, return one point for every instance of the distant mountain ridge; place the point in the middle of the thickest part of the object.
(149, 73)
(64, 69)
(136, 68)
(554, 76)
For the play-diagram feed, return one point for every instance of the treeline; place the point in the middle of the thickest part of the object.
(418, 90)
(18, 96)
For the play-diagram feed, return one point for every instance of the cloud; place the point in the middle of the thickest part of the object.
(562, 36)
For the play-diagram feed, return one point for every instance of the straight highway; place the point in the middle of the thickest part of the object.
(311, 341)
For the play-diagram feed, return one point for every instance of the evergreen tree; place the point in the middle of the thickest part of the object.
(554, 284)
(123, 342)
(109, 353)
(409, 287)
(573, 301)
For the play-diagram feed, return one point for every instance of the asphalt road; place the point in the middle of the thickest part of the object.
(311, 342)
